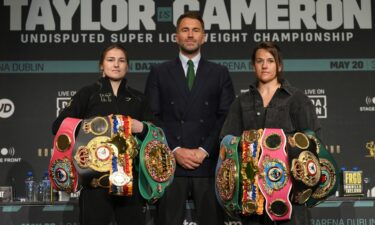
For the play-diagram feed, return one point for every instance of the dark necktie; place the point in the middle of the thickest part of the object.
(190, 74)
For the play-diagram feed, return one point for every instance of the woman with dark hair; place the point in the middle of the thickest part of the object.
(110, 95)
(271, 102)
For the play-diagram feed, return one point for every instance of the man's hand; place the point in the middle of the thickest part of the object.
(200, 155)
(189, 158)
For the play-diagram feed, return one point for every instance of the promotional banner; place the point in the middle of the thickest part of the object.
(49, 49)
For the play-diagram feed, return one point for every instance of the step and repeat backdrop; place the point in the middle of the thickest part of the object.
(50, 48)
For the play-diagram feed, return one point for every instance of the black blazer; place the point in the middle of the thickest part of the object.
(193, 118)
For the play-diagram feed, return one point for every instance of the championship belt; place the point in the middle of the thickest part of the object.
(305, 166)
(252, 198)
(329, 180)
(273, 179)
(227, 185)
(157, 164)
(104, 153)
(62, 173)
(121, 170)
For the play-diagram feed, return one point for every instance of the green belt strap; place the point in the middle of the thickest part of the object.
(329, 184)
(156, 164)
(229, 153)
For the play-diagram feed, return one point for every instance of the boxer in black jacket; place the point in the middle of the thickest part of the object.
(110, 95)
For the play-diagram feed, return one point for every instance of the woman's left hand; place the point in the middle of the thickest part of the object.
(136, 126)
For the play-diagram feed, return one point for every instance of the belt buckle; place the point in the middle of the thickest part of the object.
(119, 178)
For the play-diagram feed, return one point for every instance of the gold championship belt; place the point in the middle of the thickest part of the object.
(305, 166)
(252, 198)
(104, 154)
(257, 172)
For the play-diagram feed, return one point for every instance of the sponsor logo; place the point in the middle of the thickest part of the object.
(6, 108)
(7, 155)
(319, 100)
(61, 103)
(370, 100)
(7, 151)
(352, 183)
(63, 100)
(370, 104)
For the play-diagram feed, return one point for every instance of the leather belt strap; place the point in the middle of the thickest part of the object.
(305, 166)
(252, 198)
(274, 181)
(329, 180)
(157, 164)
(227, 181)
(62, 173)
(121, 170)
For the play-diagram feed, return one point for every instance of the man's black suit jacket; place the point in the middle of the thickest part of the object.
(191, 119)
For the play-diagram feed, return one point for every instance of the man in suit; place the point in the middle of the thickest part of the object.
(191, 103)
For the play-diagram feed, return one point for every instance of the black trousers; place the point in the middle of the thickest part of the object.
(98, 207)
(171, 208)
